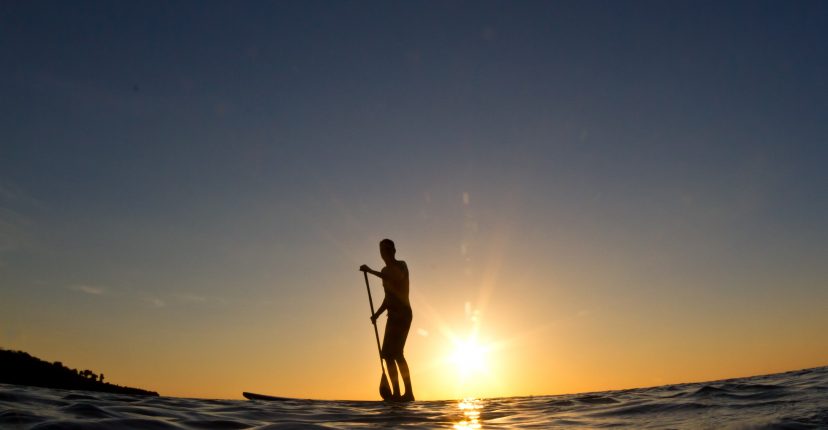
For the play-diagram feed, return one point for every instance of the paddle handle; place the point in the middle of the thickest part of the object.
(376, 333)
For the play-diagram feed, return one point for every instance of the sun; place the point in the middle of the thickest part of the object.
(467, 361)
(470, 357)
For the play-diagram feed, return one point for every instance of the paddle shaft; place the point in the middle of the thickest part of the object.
(376, 333)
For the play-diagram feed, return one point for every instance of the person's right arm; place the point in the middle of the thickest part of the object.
(367, 269)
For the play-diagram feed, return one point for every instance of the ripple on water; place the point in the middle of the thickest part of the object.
(86, 410)
(73, 396)
(292, 426)
(109, 424)
(18, 418)
(149, 411)
(560, 403)
(216, 424)
(596, 400)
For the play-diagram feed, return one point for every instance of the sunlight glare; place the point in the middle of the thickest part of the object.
(471, 414)
(469, 357)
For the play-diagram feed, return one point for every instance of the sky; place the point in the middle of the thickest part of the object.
(589, 195)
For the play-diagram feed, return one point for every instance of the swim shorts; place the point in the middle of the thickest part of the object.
(396, 333)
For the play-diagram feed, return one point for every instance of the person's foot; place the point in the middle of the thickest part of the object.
(400, 399)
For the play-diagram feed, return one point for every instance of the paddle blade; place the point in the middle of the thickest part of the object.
(384, 388)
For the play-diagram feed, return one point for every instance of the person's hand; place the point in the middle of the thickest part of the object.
(374, 318)
(364, 268)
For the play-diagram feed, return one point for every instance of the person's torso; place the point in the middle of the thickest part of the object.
(396, 289)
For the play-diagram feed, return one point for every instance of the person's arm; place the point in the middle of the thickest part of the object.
(381, 309)
(384, 306)
(367, 269)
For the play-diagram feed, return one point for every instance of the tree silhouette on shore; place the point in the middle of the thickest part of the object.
(18, 367)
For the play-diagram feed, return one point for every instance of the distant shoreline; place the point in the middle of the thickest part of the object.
(20, 368)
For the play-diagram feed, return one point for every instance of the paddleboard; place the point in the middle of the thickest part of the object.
(254, 396)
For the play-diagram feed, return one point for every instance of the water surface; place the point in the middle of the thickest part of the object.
(792, 400)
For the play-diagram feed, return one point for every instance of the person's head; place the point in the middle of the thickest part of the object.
(387, 249)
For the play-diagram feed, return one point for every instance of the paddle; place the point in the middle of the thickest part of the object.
(384, 388)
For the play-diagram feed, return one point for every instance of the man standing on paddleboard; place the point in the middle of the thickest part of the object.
(395, 283)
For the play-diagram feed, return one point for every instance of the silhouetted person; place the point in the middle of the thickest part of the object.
(395, 283)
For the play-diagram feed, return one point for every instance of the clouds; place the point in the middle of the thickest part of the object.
(186, 299)
(154, 300)
(88, 289)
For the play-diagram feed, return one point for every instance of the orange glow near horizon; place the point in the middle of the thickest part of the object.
(452, 356)
(476, 333)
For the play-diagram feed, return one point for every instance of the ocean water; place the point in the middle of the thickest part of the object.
(792, 400)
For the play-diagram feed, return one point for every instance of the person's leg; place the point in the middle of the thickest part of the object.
(392, 345)
(406, 377)
(392, 374)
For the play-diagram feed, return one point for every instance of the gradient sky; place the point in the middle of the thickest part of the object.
(603, 195)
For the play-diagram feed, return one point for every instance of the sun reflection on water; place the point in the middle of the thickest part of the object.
(471, 414)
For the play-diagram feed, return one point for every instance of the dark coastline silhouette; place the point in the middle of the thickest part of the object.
(20, 368)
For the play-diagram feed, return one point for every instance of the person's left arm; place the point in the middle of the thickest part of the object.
(381, 309)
